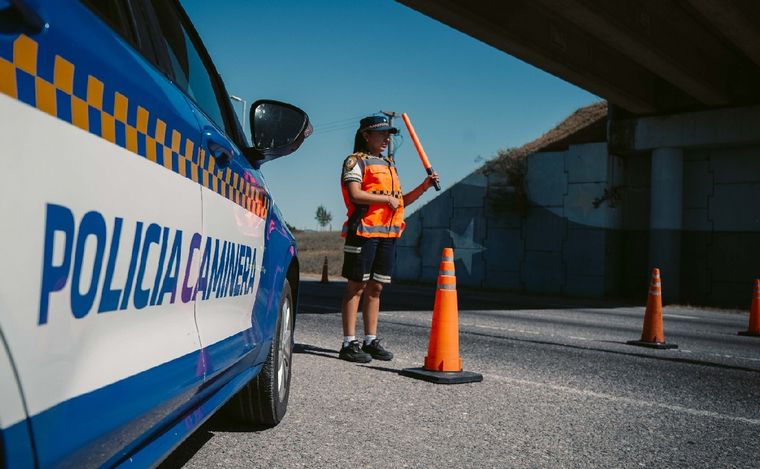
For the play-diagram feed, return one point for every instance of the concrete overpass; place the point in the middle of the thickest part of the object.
(681, 79)
(645, 56)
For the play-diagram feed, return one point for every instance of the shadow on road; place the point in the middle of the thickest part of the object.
(312, 350)
(188, 448)
(219, 422)
(382, 368)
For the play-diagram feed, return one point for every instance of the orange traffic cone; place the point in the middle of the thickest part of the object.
(652, 335)
(324, 272)
(754, 313)
(443, 365)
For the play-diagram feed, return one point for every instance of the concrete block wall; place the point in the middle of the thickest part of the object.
(560, 244)
(546, 227)
(488, 248)
(504, 242)
(721, 225)
(720, 215)
(426, 233)
(572, 246)
(720, 220)
(634, 237)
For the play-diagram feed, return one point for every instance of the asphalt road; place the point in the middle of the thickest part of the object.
(560, 389)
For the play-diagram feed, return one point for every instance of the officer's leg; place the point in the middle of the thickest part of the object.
(357, 260)
(382, 268)
(371, 308)
(350, 306)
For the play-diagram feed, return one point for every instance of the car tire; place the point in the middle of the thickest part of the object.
(264, 400)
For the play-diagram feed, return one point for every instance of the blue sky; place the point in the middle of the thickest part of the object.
(339, 60)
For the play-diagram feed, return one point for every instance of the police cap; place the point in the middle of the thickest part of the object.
(376, 123)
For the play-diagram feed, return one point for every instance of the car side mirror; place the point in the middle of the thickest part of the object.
(277, 129)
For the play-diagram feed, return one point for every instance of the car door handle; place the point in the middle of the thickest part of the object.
(31, 13)
(218, 146)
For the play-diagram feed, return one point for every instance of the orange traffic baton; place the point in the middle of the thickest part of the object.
(420, 150)
(443, 365)
(652, 334)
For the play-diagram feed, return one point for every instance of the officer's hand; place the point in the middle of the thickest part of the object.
(429, 180)
(393, 202)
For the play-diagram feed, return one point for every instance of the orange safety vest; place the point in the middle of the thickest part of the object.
(379, 176)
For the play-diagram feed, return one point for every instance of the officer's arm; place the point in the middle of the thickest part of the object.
(415, 193)
(359, 197)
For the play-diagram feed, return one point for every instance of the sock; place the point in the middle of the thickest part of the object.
(347, 339)
(369, 338)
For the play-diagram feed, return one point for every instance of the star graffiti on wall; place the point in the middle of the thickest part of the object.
(465, 246)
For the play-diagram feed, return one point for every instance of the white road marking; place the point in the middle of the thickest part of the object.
(419, 320)
(402, 363)
(680, 316)
(627, 400)
(483, 326)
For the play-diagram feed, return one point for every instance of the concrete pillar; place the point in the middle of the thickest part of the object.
(666, 208)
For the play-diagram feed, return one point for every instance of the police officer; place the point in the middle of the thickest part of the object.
(375, 203)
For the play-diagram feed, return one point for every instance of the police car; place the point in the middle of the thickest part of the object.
(146, 277)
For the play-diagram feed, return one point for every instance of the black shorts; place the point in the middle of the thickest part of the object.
(369, 258)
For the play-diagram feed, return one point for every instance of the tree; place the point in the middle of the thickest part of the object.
(323, 216)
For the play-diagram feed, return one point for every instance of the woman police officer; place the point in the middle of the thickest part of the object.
(375, 203)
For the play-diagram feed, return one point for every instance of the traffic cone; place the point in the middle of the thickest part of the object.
(652, 335)
(754, 313)
(324, 272)
(443, 365)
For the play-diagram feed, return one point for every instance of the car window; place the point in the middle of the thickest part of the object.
(116, 15)
(190, 72)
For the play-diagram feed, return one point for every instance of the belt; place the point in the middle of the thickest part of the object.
(396, 194)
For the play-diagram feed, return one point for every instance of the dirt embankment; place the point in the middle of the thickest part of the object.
(314, 246)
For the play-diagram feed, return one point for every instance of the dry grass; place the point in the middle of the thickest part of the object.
(510, 160)
(314, 246)
(581, 118)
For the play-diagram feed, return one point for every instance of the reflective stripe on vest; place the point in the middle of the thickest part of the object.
(365, 230)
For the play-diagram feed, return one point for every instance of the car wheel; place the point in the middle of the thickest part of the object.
(264, 401)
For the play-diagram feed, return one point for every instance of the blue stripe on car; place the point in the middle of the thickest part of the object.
(72, 434)
(17, 446)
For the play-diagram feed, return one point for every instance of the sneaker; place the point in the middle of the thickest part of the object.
(353, 353)
(376, 350)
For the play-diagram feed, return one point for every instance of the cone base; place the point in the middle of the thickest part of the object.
(657, 345)
(442, 377)
(748, 333)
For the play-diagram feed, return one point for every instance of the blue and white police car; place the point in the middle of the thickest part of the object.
(146, 277)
